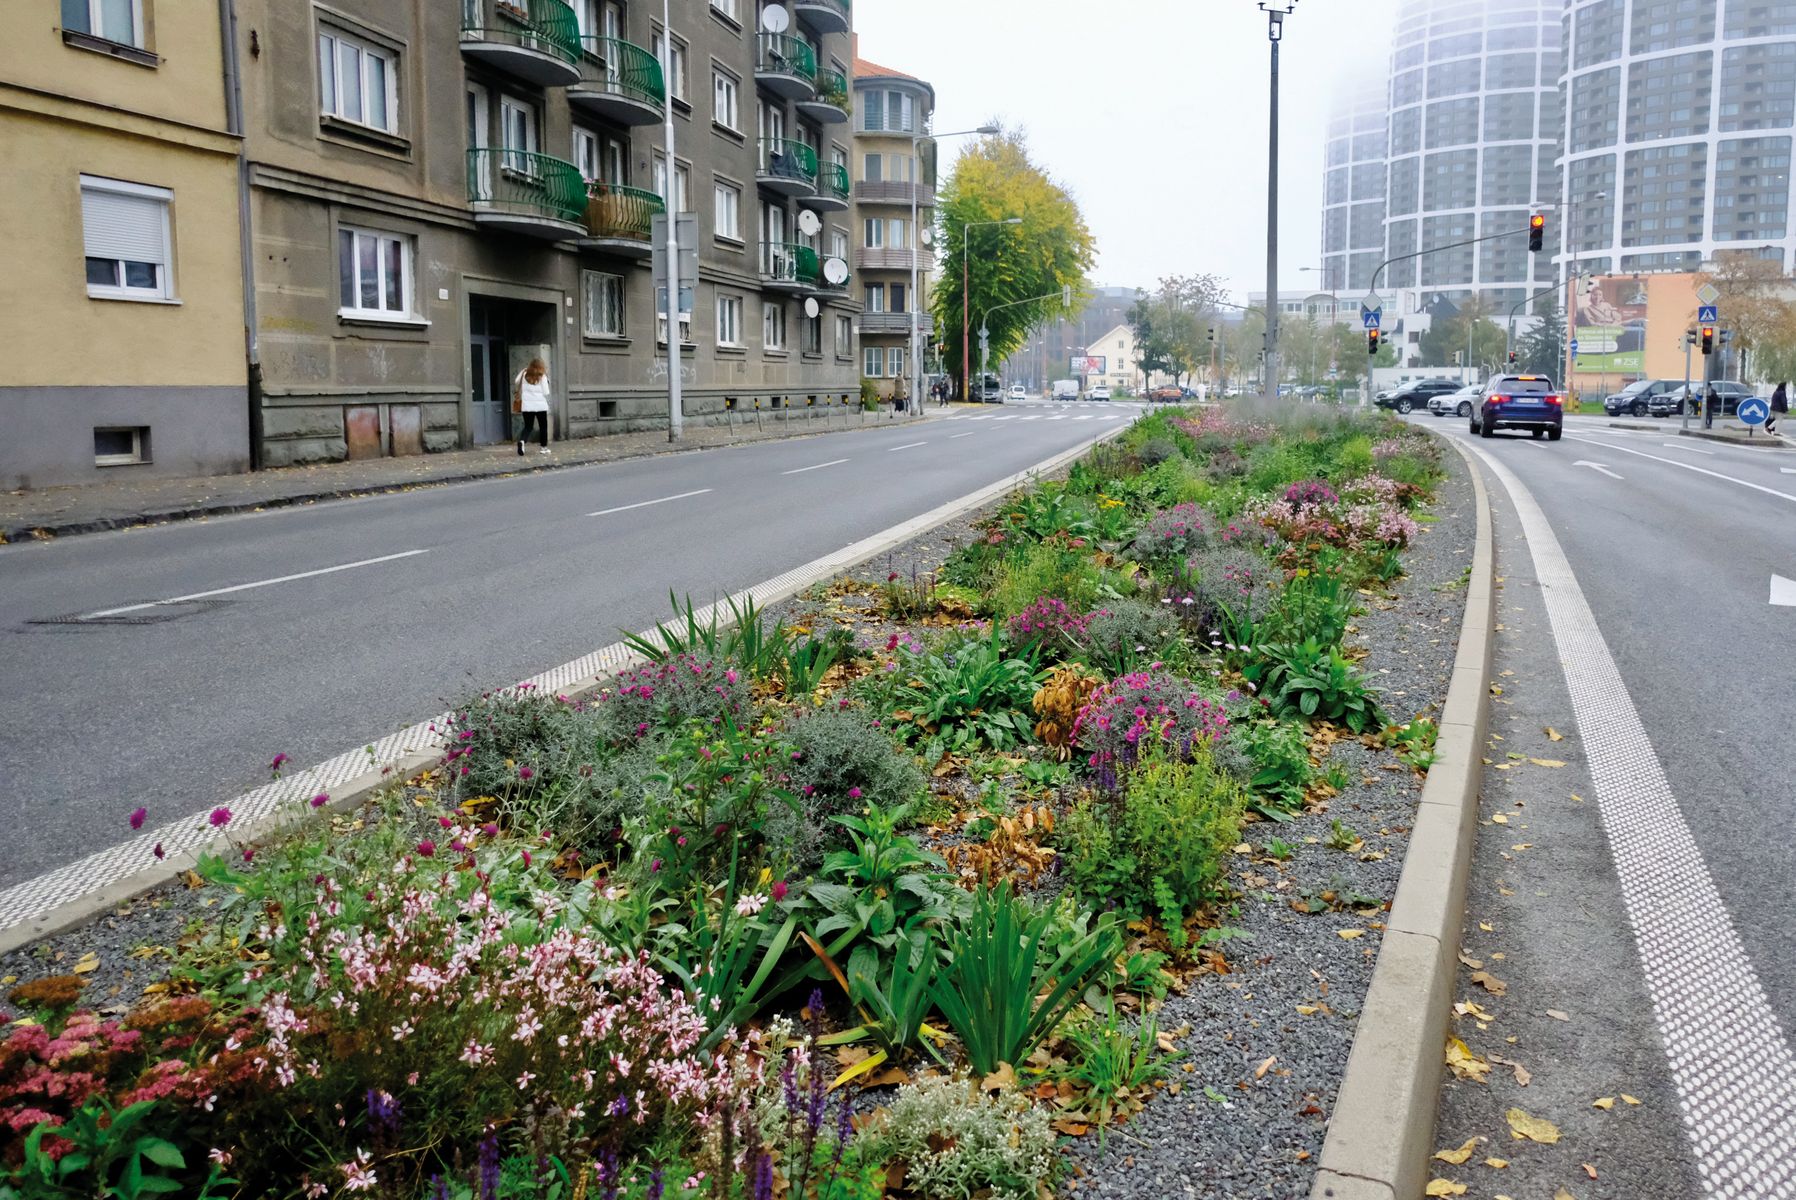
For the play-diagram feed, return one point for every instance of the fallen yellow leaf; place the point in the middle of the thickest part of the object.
(1627, 1099)
(1589, 1170)
(1496, 1163)
(1486, 926)
(1457, 1157)
(1500, 818)
(1259, 1072)
(1534, 1129)
(1489, 983)
(1603, 1102)
(1443, 1187)
(1562, 1194)
(1576, 797)
(1349, 934)
(89, 962)
(1464, 1064)
(1557, 1015)
(1305, 1010)
(1554, 734)
(1546, 762)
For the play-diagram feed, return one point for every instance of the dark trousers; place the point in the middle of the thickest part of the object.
(540, 419)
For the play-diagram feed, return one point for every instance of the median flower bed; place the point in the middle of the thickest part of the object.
(882, 897)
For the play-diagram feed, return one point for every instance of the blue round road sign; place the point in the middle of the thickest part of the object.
(1753, 411)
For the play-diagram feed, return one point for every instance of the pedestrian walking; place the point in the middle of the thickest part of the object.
(1780, 404)
(1711, 404)
(530, 398)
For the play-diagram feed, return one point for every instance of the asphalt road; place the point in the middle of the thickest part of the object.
(1612, 986)
(438, 594)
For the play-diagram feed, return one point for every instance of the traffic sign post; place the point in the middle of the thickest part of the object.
(1371, 317)
(1706, 315)
(1753, 412)
(1574, 347)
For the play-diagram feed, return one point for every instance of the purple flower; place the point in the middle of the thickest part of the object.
(656, 1185)
(525, 772)
(158, 852)
(138, 816)
(320, 800)
(489, 1167)
(221, 816)
(427, 848)
(248, 854)
(278, 760)
(854, 793)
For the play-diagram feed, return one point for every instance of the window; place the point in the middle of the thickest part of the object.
(356, 81)
(874, 298)
(873, 169)
(873, 233)
(872, 362)
(844, 336)
(729, 320)
(898, 298)
(813, 334)
(661, 321)
(125, 235)
(895, 361)
(726, 7)
(838, 244)
(604, 315)
(725, 109)
(890, 111)
(374, 274)
(673, 66)
(682, 196)
(517, 133)
(728, 212)
(773, 325)
(121, 447)
(118, 21)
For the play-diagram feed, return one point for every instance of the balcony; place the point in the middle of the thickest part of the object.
(619, 219)
(788, 266)
(534, 40)
(831, 105)
(825, 16)
(832, 189)
(877, 258)
(824, 288)
(884, 323)
(529, 194)
(621, 82)
(785, 66)
(787, 167)
(894, 192)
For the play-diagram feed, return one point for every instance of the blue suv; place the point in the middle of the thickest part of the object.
(1520, 402)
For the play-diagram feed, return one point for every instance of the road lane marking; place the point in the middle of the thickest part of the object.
(818, 467)
(1691, 449)
(906, 446)
(1783, 591)
(1596, 466)
(968, 433)
(1692, 467)
(244, 587)
(1729, 1056)
(1788, 470)
(603, 512)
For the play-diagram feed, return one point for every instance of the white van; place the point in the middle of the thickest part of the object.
(1065, 389)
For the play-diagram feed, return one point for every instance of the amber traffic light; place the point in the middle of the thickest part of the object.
(1708, 339)
(1371, 341)
(1537, 228)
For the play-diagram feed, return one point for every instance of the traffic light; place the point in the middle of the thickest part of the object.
(1512, 358)
(1371, 341)
(1537, 228)
(1708, 339)
(1212, 333)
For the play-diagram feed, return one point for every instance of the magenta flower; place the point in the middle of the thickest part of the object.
(490, 829)
(427, 848)
(159, 852)
(525, 772)
(221, 816)
(457, 845)
(278, 760)
(443, 821)
(527, 859)
(779, 891)
(138, 816)
(248, 854)
(655, 867)
(854, 793)
(320, 800)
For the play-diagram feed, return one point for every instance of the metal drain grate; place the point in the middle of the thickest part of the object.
(161, 614)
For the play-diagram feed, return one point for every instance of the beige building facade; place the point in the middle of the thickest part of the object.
(894, 206)
(122, 243)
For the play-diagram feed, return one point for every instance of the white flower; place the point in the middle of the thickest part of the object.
(749, 905)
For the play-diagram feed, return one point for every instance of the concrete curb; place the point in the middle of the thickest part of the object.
(1381, 1133)
(22, 532)
(1768, 442)
(110, 877)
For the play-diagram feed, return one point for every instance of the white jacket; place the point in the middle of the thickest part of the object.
(535, 396)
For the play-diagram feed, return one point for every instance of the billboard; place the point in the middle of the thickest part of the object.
(1610, 325)
(1088, 364)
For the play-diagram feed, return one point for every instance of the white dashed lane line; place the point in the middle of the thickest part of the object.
(836, 462)
(906, 446)
(1729, 1056)
(1745, 483)
(604, 512)
(1691, 449)
(244, 587)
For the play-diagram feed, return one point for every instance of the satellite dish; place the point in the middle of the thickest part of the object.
(835, 271)
(926, 235)
(808, 223)
(810, 308)
(775, 19)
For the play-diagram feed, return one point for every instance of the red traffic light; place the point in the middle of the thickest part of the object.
(1537, 227)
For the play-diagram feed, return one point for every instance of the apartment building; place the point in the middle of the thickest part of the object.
(121, 247)
(442, 192)
(894, 203)
(1354, 168)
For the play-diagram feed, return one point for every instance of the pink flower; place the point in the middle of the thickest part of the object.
(445, 822)
(320, 800)
(278, 760)
(138, 816)
(525, 772)
(158, 851)
(248, 854)
(779, 891)
(221, 816)
(854, 793)
(527, 858)
(748, 906)
(427, 848)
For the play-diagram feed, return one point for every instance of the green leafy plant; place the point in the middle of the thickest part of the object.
(1315, 682)
(963, 698)
(991, 990)
(805, 663)
(744, 641)
(1055, 568)
(1280, 849)
(892, 1006)
(1337, 777)
(886, 885)
(954, 1139)
(1415, 742)
(107, 1155)
(1110, 1065)
(841, 764)
(1314, 606)
(1340, 837)
(1279, 758)
(1126, 635)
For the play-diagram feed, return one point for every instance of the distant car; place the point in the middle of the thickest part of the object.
(1065, 389)
(1415, 394)
(1456, 404)
(1167, 393)
(1528, 402)
(1099, 391)
(1730, 392)
(1018, 392)
(1636, 400)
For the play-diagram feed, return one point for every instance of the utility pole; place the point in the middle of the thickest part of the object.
(1276, 11)
(674, 415)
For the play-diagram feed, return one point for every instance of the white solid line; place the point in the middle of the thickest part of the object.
(1788, 470)
(1730, 1059)
(1691, 449)
(1689, 467)
(1595, 466)
(968, 433)
(801, 470)
(906, 446)
(645, 503)
(244, 587)
(1783, 591)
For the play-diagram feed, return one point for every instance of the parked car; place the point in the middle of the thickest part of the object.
(1415, 394)
(1018, 392)
(1729, 391)
(1167, 393)
(1064, 389)
(1636, 400)
(1099, 391)
(1528, 402)
(1456, 404)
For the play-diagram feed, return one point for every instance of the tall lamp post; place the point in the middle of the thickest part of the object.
(1276, 11)
(966, 299)
(913, 354)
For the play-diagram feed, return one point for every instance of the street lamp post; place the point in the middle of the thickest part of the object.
(966, 299)
(912, 352)
(1276, 11)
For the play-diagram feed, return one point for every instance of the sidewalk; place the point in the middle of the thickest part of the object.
(128, 501)
(1727, 431)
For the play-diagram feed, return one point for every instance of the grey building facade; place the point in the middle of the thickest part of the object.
(441, 192)
(894, 186)
(1354, 165)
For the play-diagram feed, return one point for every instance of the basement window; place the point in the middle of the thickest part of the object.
(121, 446)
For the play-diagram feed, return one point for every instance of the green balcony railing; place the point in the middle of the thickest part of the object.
(625, 213)
(628, 70)
(531, 185)
(788, 262)
(546, 25)
(832, 88)
(842, 287)
(832, 180)
(777, 54)
(783, 158)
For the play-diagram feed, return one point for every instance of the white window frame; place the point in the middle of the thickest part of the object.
(726, 100)
(873, 297)
(532, 136)
(589, 152)
(676, 60)
(96, 10)
(407, 289)
(773, 325)
(873, 233)
(844, 336)
(727, 8)
(330, 82)
(131, 457)
(895, 361)
(164, 291)
(838, 243)
(594, 285)
(727, 202)
(729, 320)
(873, 362)
(681, 200)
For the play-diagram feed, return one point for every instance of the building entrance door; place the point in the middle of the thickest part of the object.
(489, 367)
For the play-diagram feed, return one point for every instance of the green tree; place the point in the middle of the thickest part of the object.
(1752, 304)
(1541, 350)
(1052, 248)
(1172, 326)
(1445, 343)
